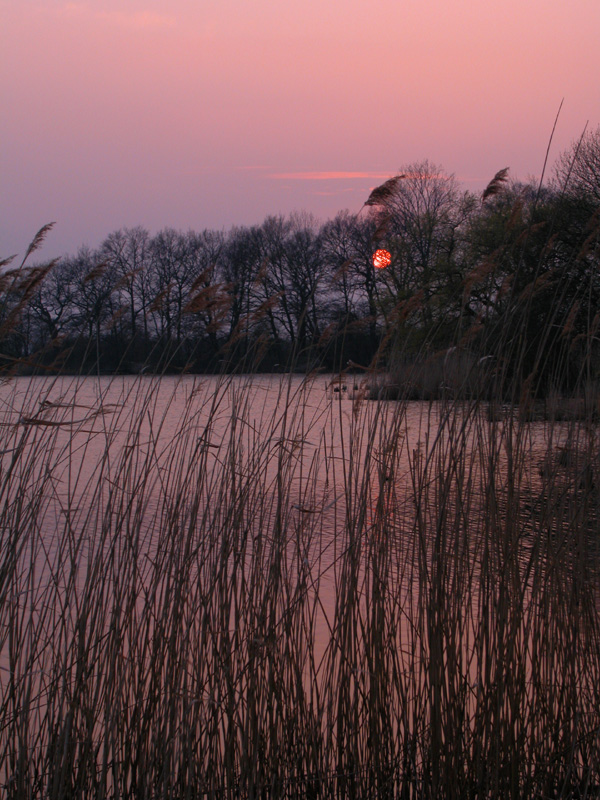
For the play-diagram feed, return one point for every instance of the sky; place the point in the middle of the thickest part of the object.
(213, 113)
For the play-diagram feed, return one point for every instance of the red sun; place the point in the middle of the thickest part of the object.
(382, 259)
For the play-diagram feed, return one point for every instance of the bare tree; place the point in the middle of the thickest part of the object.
(577, 170)
(172, 276)
(424, 213)
(305, 272)
(93, 299)
(127, 251)
(348, 242)
(208, 304)
(52, 306)
(240, 269)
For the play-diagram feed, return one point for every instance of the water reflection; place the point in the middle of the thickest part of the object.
(271, 581)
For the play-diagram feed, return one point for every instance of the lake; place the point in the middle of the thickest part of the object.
(271, 586)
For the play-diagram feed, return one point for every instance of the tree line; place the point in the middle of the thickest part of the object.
(512, 273)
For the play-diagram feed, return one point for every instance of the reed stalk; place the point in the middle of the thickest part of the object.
(256, 587)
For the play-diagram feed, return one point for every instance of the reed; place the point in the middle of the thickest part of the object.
(334, 598)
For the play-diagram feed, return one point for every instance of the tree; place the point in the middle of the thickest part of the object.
(291, 277)
(127, 251)
(207, 305)
(347, 243)
(93, 300)
(577, 170)
(52, 307)
(305, 274)
(271, 284)
(240, 270)
(172, 275)
(421, 216)
(531, 284)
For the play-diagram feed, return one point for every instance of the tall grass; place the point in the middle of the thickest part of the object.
(250, 609)
(331, 598)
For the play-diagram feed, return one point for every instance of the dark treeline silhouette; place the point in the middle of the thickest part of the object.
(511, 275)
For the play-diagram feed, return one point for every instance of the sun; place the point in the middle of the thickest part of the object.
(382, 259)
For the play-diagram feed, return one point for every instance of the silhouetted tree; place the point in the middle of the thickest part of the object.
(207, 305)
(127, 251)
(240, 269)
(94, 308)
(577, 170)
(421, 217)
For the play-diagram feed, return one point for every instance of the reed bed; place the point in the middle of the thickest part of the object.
(331, 598)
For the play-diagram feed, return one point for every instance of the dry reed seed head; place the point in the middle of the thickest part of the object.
(548, 248)
(263, 309)
(385, 192)
(38, 240)
(406, 307)
(219, 315)
(516, 214)
(480, 272)
(357, 325)
(593, 224)
(328, 333)
(263, 270)
(12, 319)
(496, 185)
(35, 277)
(342, 270)
(203, 277)
(526, 388)
(8, 280)
(118, 315)
(157, 303)
(472, 332)
(505, 286)
(96, 272)
(589, 246)
(204, 299)
(537, 285)
(529, 231)
(383, 225)
(125, 281)
(6, 261)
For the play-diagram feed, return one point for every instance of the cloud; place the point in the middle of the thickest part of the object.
(336, 193)
(124, 19)
(138, 19)
(328, 176)
(73, 8)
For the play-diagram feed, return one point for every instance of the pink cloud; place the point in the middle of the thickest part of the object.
(327, 176)
(129, 19)
(334, 193)
(140, 19)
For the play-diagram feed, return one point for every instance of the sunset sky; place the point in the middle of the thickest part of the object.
(210, 113)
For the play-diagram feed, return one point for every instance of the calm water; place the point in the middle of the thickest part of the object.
(101, 460)
(80, 443)
(82, 430)
(102, 456)
(213, 534)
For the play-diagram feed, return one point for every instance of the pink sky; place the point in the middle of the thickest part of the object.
(211, 113)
